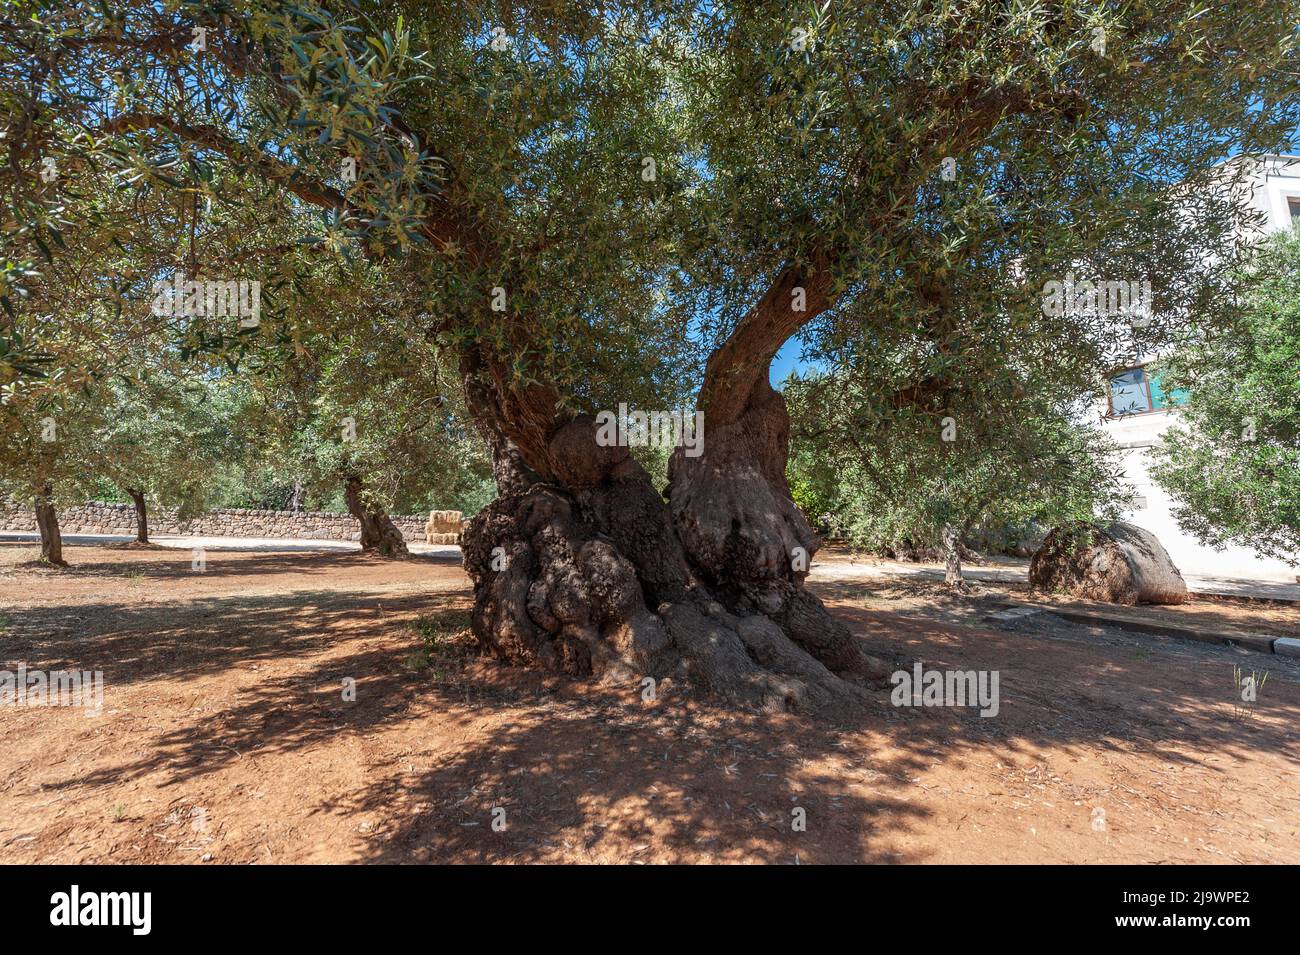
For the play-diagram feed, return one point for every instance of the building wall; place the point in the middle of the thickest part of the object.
(1275, 181)
(1136, 434)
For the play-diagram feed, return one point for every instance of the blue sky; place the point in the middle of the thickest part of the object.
(786, 361)
(789, 359)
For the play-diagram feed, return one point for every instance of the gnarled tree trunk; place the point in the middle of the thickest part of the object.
(745, 536)
(141, 516)
(582, 566)
(588, 575)
(379, 535)
(47, 522)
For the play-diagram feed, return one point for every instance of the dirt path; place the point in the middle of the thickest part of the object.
(225, 737)
(877, 586)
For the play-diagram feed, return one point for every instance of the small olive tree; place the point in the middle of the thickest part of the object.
(1232, 461)
(931, 480)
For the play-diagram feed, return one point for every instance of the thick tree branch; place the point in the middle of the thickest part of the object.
(746, 355)
(796, 297)
(216, 139)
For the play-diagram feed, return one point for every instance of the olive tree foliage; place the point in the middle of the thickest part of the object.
(407, 432)
(604, 202)
(151, 411)
(1232, 459)
(44, 449)
(906, 482)
(161, 442)
(100, 316)
(70, 323)
(373, 401)
(403, 133)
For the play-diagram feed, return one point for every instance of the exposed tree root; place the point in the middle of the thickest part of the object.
(592, 579)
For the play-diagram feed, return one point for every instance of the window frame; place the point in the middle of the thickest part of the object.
(1146, 387)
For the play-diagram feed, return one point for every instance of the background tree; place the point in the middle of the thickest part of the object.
(1232, 460)
(47, 454)
(360, 407)
(890, 482)
(162, 439)
(137, 381)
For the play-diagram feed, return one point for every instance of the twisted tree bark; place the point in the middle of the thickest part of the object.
(379, 535)
(952, 558)
(589, 575)
(582, 566)
(141, 516)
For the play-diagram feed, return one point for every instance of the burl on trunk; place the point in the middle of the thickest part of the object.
(582, 566)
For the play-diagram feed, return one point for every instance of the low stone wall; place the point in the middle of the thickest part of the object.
(97, 518)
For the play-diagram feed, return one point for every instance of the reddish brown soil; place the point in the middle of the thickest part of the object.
(930, 597)
(225, 737)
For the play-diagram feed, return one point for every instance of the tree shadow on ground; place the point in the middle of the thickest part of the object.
(1205, 612)
(205, 635)
(597, 771)
(601, 776)
(604, 779)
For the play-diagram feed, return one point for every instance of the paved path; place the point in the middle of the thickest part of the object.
(1007, 571)
(234, 543)
(1003, 570)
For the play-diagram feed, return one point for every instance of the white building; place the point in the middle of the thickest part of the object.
(1135, 413)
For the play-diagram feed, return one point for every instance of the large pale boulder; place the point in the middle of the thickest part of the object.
(1119, 563)
(443, 527)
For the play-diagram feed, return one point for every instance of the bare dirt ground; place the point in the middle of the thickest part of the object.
(875, 586)
(225, 737)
